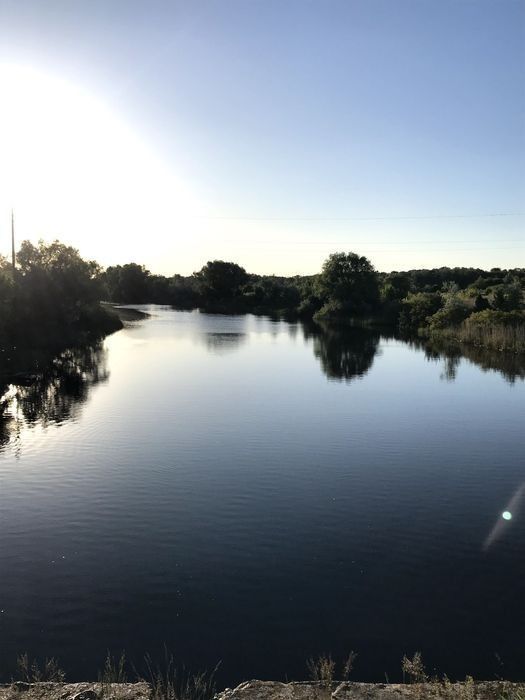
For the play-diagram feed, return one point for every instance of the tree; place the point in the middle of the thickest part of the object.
(56, 278)
(7, 296)
(507, 297)
(220, 280)
(480, 303)
(128, 283)
(452, 314)
(183, 292)
(417, 308)
(395, 286)
(55, 296)
(272, 293)
(513, 296)
(348, 283)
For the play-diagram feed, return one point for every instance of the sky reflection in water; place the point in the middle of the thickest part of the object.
(256, 491)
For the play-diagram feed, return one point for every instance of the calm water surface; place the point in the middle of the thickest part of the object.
(256, 492)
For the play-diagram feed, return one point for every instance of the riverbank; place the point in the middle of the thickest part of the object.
(24, 356)
(124, 313)
(272, 690)
(493, 330)
(24, 359)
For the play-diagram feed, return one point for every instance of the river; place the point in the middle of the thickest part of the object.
(255, 492)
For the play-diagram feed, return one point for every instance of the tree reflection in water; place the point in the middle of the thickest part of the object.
(348, 353)
(53, 395)
(57, 393)
(344, 353)
(510, 365)
(221, 343)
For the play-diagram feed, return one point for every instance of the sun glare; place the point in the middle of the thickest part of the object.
(72, 169)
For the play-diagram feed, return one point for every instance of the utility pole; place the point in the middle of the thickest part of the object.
(13, 257)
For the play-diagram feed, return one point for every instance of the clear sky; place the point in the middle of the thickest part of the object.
(268, 132)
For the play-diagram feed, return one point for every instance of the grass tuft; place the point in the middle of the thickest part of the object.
(414, 668)
(169, 682)
(30, 671)
(323, 669)
(113, 673)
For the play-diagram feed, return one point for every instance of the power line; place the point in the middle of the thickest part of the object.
(471, 246)
(359, 218)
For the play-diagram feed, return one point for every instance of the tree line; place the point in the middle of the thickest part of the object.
(463, 304)
(53, 288)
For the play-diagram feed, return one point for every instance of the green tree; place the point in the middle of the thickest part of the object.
(417, 308)
(481, 303)
(128, 283)
(57, 279)
(184, 292)
(452, 314)
(513, 296)
(220, 280)
(395, 286)
(348, 283)
(54, 297)
(7, 294)
(507, 297)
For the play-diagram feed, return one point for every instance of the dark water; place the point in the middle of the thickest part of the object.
(257, 492)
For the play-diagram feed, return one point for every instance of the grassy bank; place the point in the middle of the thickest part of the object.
(495, 330)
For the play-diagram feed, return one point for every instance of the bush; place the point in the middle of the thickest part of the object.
(417, 308)
(451, 315)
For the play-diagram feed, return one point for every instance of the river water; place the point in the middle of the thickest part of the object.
(256, 492)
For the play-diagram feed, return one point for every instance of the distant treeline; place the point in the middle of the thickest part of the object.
(463, 304)
(54, 288)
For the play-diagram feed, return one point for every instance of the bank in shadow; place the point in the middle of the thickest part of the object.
(510, 365)
(344, 354)
(53, 392)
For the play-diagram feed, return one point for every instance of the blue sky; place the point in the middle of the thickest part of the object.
(286, 129)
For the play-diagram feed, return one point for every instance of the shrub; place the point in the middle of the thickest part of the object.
(417, 308)
(451, 315)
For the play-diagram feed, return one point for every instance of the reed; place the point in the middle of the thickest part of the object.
(490, 329)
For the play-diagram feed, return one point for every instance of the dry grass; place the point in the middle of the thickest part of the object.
(170, 682)
(414, 668)
(323, 669)
(113, 673)
(498, 337)
(489, 329)
(30, 671)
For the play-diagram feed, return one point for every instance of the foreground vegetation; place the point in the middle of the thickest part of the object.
(51, 299)
(54, 294)
(167, 681)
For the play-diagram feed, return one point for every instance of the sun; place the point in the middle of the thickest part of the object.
(73, 169)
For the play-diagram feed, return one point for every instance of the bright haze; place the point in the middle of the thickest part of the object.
(267, 132)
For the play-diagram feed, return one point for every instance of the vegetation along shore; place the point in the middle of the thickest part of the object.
(53, 297)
